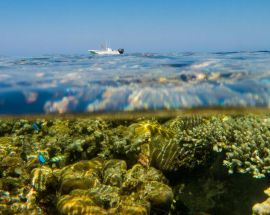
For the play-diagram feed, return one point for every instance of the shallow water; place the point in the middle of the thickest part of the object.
(85, 83)
(193, 128)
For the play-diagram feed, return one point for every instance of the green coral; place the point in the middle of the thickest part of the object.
(247, 145)
(245, 141)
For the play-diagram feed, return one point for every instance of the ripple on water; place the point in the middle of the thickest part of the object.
(141, 81)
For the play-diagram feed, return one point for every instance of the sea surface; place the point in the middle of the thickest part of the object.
(56, 162)
(140, 81)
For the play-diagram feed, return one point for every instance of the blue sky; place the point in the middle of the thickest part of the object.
(33, 27)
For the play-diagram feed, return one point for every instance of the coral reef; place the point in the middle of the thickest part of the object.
(93, 166)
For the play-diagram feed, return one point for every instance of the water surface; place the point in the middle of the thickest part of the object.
(85, 83)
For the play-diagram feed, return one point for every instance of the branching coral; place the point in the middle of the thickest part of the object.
(247, 145)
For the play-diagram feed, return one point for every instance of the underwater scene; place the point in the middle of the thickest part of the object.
(137, 134)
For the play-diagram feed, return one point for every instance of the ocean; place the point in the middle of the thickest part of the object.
(133, 82)
(135, 134)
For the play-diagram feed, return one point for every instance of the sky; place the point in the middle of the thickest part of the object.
(32, 27)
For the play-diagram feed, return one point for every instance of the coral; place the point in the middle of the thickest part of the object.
(138, 174)
(81, 175)
(75, 139)
(6, 126)
(150, 128)
(162, 153)
(108, 187)
(131, 138)
(187, 144)
(158, 194)
(134, 206)
(60, 127)
(22, 126)
(76, 146)
(148, 142)
(105, 196)
(77, 203)
(196, 143)
(11, 166)
(83, 202)
(264, 207)
(247, 145)
(243, 139)
(41, 177)
(113, 172)
(184, 123)
(6, 140)
(86, 126)
(102, 167)
(31, 205)
(7, 147)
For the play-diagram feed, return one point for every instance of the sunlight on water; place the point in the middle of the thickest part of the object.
(85, 83)
(137, 134)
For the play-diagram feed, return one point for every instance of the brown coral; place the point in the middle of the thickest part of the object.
(107, 187)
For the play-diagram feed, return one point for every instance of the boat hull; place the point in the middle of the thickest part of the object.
(104, 52)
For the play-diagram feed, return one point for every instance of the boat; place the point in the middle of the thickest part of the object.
(106, 51)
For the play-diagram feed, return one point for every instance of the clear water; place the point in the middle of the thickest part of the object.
(85, 83)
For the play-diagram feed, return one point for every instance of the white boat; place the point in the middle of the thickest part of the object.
(106, 51)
